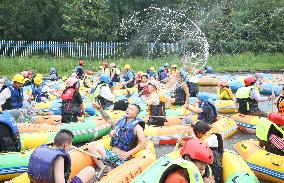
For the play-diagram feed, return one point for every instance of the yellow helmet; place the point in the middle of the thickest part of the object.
(152, 68)
(39, 75)
(140, 72)
(64, 78)
(174, 66)
(37, 80)
(127, 66)
(18, 78)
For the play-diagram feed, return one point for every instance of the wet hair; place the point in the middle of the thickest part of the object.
(62, 137)
(138, 107)
(201, 127)
(171, 169)
(146, 76)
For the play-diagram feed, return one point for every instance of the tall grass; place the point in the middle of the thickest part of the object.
(64, 66)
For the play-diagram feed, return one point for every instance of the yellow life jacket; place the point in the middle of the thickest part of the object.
(280, 105)
(228, 95)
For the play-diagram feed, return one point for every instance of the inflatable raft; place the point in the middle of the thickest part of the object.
(124, 173)
(235, 169)
(208, 81)
(276, 118)
(246, 123)
(49, 119)
(265, 165)
(226, 106)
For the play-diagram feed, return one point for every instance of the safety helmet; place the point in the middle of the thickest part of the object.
(202, 96)
(174, 66)
(161, 69)
(112, 65)
(223, 83)
(248, 81)
(64, 78)
(71, 81)
(52, 70)
(166, 65)
(197, 150)
(90, 72)
(39, 75)
(152, 68)
(140, 73)
(18, 78)
(81, 62)
(37, 80)
(127, 66)
(104, 78)
(25, 73)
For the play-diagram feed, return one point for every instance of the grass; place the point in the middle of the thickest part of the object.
(64, 66)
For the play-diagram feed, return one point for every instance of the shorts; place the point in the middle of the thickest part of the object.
(113, 157)
(76, 180)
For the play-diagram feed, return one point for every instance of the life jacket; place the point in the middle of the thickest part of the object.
(16, 99)
(9, 136)
(210, 116)
(180, 95)
(116, 77)
(151, 74)
(246, 104)
(192, 170)
(41, 164)
(53, 75)
(229, 91)
(156, 113)
(38, 93)
(126, 138)
(69, 107)
(280, 105)
(162, 75)
(126, 78)
(79, 71)
(102, 101)
(193, 88)
(217, 168)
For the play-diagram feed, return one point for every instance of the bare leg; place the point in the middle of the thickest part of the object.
(97, 149)
(86, 174)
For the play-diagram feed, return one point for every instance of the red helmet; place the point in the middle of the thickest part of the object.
(248, 81)
(197, 150)
(90, 72)
(81, 62)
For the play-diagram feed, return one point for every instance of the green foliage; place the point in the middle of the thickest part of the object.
(64, 66)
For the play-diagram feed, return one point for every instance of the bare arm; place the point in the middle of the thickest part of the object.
(186, 90)
(106, 117)
(141, 140)
(59, 170)
(195, 109)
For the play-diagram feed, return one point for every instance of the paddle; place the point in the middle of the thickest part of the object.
(272, 92)
(105, 161)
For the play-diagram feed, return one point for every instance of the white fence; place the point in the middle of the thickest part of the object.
(97, 50)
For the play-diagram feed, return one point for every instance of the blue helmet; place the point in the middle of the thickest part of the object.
(202, 96)
(104, 78)
(161, 69)
(52, 70)
(166, 65)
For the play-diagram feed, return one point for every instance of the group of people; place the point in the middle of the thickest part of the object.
(201, 158)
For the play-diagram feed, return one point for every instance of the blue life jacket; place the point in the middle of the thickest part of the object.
(208, 116)
(9, 143)
(193, 88)
(16, 99)
(79, 71)
(126, 138)
(37, 93)
(162, 75)
(127, 78)
(180, 96)
(41, 164)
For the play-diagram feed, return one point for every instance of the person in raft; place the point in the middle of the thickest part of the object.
(224, 92)
(127, 137)
(205, 108)
(248, 98)
(200, 155)
(280, 102)
(72, 104)
(52, 164)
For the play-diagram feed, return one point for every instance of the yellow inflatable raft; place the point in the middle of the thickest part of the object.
(125, 172)
(226, 106)
(208, 81)
(265, 165)
(235, 169)
(246, 123)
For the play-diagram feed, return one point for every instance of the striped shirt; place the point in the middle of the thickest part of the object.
(277, 142)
